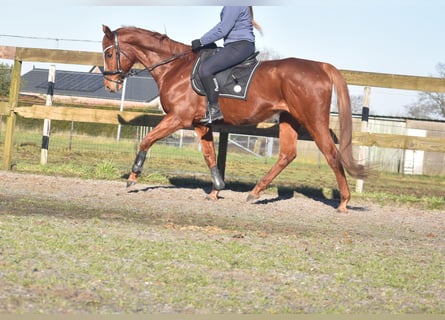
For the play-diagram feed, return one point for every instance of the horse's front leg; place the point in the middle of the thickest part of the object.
(167, 126)
(208, 150)
(136, 169)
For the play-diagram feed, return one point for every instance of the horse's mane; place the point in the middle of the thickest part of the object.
(134, 34)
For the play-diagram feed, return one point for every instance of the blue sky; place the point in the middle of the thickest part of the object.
(392, 36)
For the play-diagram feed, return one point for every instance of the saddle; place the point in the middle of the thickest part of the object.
(233, 82)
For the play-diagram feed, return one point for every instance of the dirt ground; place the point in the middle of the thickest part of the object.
(278, 220)
(282, 210)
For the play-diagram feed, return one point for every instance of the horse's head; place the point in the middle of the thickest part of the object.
(117, 61)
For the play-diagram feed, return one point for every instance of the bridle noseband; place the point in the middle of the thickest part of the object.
(121, 72)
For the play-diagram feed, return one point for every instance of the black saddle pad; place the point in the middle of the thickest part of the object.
(233, 82)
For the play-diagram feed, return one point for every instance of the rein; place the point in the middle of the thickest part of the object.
(121, 72)
(168, 60)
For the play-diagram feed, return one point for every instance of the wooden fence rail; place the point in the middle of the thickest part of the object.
(11, 109)
(395, 141)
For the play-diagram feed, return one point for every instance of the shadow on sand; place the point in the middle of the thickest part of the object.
(283, 192)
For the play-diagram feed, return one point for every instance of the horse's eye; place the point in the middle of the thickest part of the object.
(109, 55)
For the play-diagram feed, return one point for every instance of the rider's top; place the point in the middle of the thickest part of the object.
(235, 25)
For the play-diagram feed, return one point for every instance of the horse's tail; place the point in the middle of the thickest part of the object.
(345, 117)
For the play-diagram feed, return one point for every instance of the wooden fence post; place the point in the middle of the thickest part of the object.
(47, 122)
(363, 150)
(11, 117)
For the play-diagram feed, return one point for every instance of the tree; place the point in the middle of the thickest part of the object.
(5, 79)
(356, 104)
(430, 105)
(268, 54)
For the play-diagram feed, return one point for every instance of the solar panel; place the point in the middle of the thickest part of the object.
(87, 82)
(141, 87)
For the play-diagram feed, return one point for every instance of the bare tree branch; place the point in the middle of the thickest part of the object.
(430, 105)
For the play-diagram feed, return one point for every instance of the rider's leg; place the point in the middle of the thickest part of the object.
(226, 57)
(213, 112)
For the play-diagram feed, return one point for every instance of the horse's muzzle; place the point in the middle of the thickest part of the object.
(113, 85)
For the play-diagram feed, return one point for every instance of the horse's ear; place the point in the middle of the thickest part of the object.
(107, 32)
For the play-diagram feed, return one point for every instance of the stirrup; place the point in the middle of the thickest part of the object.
(213, 113)
(206, 119)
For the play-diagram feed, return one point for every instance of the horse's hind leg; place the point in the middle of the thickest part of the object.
(288, 152)
(326, 145)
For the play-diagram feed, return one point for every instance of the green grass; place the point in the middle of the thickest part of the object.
(72, 259)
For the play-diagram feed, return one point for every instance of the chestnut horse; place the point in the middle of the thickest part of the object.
(298, 90)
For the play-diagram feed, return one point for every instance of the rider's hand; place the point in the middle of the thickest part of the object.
(196, 45)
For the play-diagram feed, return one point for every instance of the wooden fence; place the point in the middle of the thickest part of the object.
(19, 55)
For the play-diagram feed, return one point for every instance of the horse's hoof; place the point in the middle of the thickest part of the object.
(342, 210)
(252, 197)
(213, 195)
(342, 207)
(130, 183)
(211, 198)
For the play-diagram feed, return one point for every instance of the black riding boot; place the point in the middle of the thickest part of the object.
(213, 112)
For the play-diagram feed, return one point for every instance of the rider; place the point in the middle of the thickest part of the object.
(236, 28)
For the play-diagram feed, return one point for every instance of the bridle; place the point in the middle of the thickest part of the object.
(122, 74)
